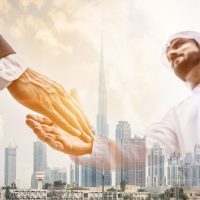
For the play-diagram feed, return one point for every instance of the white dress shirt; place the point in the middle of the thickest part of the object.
(11, 68)
(179, 130)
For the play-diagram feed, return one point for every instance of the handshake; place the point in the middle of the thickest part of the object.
(63, 125)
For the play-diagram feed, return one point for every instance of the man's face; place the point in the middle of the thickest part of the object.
(184, 55)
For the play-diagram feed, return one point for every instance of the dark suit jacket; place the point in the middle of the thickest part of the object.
(5, 48)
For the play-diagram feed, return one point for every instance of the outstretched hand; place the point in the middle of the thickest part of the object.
(56, 137)
(48, 98)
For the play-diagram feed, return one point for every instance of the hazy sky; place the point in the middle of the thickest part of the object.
(61, 39)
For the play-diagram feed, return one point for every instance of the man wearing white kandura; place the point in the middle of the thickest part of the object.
(42, 95)
(178, 131)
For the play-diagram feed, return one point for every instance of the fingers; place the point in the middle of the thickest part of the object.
(80, 118)
(56, 138)
(50, 139)
(76, 101)
(31, 123)
(45, 123)
(35, 121)
(67, 114)
(66, 119)
(40, 119)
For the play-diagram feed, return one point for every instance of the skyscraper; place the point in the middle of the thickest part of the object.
(10, 165)
(191, 168)
(92, 176)
(39, 161)
(102, 124)
(74, 174)
(88, 174)
(197, 153)
(123, 131)
(133, 163)
(184, 171)
(156, 173)
(174, 170)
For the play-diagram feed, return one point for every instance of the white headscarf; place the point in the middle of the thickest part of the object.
(185, 34)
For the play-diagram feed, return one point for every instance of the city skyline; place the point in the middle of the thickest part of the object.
(62, 42)
(180, 170)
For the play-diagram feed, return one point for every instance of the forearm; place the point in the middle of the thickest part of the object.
(24, 88)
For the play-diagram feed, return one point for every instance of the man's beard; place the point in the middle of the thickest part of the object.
(184, 67)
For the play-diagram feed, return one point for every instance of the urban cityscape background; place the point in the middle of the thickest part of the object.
(60, 39)
(146, 168)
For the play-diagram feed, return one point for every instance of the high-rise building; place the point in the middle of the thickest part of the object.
(174, 170)
(191, 168)
(10, 165)
(186, 171)
(92, 176)
(197, 153)
(89, 173)
(102, 124)
(156, 175)
(39, 161)
(188, 158)
(133, 160)
(74, 174)
(123, 131)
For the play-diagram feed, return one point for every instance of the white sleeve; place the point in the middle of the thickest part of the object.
(11, 68)
(163, 133)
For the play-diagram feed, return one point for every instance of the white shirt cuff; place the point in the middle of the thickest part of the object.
(11, 68)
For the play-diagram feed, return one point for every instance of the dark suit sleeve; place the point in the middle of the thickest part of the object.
(5, 48)
(11, 66)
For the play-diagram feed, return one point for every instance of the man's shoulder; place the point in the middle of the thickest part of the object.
(191, 101)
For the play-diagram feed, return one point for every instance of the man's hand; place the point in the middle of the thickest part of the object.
(105, 153)
(56, 137)
(47, 97)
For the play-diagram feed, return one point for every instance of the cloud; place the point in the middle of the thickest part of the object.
(25, 4)
(5, 7)
(47, 37)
